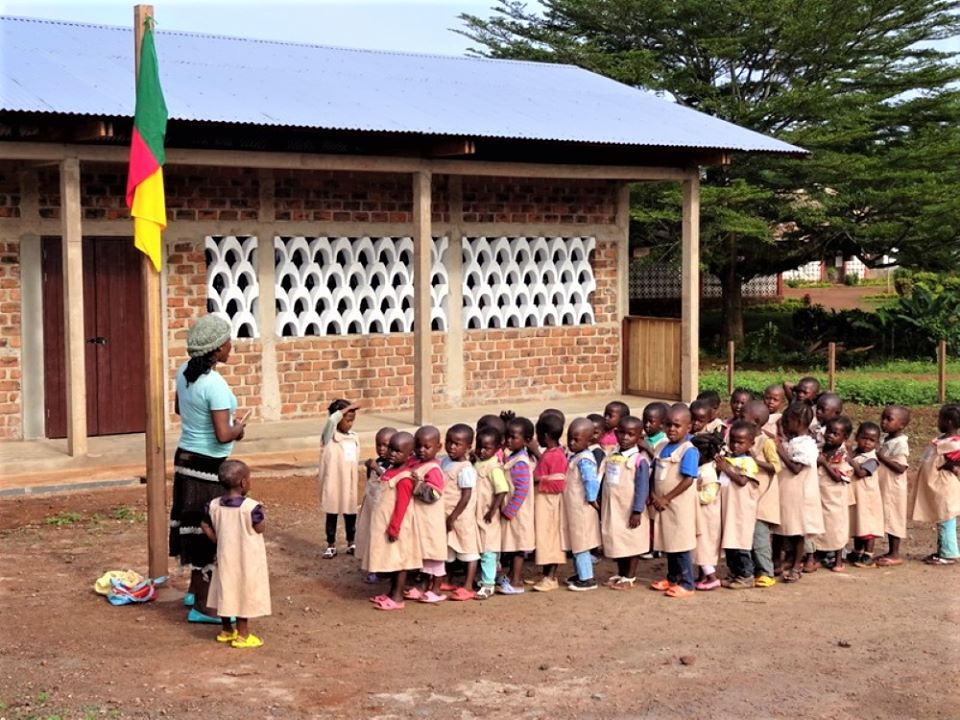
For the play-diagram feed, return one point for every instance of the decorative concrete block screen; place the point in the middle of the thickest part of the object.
(810, 272)
(662, 281)
(527, 282)
(233, 290)
(352, 286)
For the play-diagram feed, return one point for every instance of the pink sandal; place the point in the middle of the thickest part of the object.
(704, 585)
(431, 597)
(388, 604)
(376, 599)
(413, 594)
(461, 594)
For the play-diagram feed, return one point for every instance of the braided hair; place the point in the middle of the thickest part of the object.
(199, 366)
(709, 445)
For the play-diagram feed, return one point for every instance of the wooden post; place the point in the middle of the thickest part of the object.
(155, 443)
(832, 367)
(942, 372)
(690, 290)
(731, 365)
(422, 299)
(73, 314)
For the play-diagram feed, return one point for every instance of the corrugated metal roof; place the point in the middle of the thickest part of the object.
(73, 68)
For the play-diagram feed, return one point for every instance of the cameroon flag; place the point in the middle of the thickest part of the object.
(145, 178)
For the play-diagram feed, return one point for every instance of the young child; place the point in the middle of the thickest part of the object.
(712, 399)
(240, 586)
(371, 494)
(339, 474)
(834, 473)
(806, 390)
(829, 406)
(674, 502)
(866, 514)
(738, 402)
(599, 426)
(893, 455)
(517, 516)
(460, 505)
(580, 505)
(709, 511)
(739, 492)
(394, 540)
(775, 399)
(936, 495)
(492, 489)
(653, 418)
(765, 454)
(801, 514)
(613, 413)
(430, 514)
(624, 525)
(550, 481)
(699, 417)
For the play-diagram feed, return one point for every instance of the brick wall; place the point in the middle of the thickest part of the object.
(9, 191)
(512, 200)
(10, 370)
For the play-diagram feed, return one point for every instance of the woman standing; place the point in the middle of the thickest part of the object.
(207, 409)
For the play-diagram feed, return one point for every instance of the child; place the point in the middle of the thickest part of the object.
(623, 522)
(613, 413)
(936, 496)
(866, 514)
(892, 473)
(240, 585)
(492, 488)
(775, 399)
(834, 474)
(580, 506)
(709, 511)
(339, 474)
(674, 502)
(498, 424)
(517, 523)
(430, 514)
(550, 480)
(800, 512)
(765, 454)
(375, 468)
(739, 492)
(806, 390)
(829, 406)
(699, 417)
(460, 505)
(394, 540)
(654, 415)
(712, 399)
(599, 426)
(738, 402)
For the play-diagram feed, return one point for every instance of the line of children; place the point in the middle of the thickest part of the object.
(759, 486)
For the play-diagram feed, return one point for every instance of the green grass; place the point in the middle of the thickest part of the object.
(61, 519)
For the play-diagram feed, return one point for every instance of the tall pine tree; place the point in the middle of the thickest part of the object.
(863, 84)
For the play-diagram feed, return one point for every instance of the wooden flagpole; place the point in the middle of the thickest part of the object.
(157, 521)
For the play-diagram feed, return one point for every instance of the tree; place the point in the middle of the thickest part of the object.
(861, 84)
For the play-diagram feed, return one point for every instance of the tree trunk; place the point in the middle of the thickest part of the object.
(731, 286)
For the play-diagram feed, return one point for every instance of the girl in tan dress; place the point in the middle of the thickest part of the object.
(517, 532)
(894, 455)
(866, 514)
(460, 505)
(549, 479)
(936, 495)
(764, 451)
(240, 585)
(834, 475)
(371, 494)
(580, 506)
(339, 474)
(492, 489)
(740, 493)
(431, 515)
(709, 511)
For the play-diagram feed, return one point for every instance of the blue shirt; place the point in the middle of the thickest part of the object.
(588, 474)
(197, 400)
(689, 463)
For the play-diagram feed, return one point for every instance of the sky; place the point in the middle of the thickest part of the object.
(420, 26)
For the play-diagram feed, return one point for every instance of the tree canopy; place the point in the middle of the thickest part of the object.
(864, 85)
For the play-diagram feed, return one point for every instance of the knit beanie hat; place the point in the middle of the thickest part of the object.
(207, 334)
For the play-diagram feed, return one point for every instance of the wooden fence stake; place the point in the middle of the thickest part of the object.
(832, 366)
(942, 372)
(731, 359)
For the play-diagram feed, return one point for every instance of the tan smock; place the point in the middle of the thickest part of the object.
(339, 474)
(240, 584)
(674, 529)
(619, 539)
(582, 520)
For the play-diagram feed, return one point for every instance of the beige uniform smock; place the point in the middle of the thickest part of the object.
(371, 495)
(404, 553)
(488, 533)
(549, 526)
(772, 426)
(835, 499)
(800, 509)
(768, 504)
(240, 584)
(616, 506)
(339, 474)
(463, 537)
(739, 513)
(709, 519)
(893, 487)
(431, 518)
(674, 529)
(866, 514)
(936, 495)
(519, 534)
(582, 519)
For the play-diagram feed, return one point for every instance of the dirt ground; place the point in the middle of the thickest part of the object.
(838, 297)
(880, 643)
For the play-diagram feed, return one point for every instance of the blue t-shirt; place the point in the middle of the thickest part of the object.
(209, 392)
(689, 463)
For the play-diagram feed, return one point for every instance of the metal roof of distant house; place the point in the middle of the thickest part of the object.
(81, 69)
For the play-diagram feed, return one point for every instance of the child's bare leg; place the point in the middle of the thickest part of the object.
(838, 565)
(397, 582)
(226, 625)
(797, 543)
(893, 547)
(549, 571)
(810, 563)
(471, 574)
(242, 629)
(633, 562)
(516, 570)
(868, 545)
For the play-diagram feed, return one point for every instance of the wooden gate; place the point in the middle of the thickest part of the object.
(651, 357)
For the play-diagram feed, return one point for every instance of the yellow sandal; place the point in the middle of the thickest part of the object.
(225, 637)
(250, 641)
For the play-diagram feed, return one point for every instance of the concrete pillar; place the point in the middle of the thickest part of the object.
(31, 309)
(690, 291)
(454, 339)
(622, 236)
(72, 232)
(422, 300)
(266, 304)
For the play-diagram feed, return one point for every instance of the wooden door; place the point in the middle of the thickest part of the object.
(651, 357)
(113, 328)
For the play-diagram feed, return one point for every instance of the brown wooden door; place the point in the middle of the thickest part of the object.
(113, 328)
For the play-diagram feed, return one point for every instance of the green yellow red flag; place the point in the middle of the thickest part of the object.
(145, 177)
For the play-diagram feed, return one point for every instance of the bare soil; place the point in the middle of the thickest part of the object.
(880, 643)
(837, 297)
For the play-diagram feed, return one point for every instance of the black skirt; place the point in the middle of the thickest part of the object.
(195, 484)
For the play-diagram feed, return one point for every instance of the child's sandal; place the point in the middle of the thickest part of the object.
(330, 552)
(624, 583)
(937, 560)
(791, 575)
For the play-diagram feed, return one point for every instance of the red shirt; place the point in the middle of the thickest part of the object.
(434, 476)
(551, 471)
(404, 494)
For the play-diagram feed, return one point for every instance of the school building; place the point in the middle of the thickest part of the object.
(408, 231)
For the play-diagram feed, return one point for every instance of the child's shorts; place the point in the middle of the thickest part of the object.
(462, 557)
